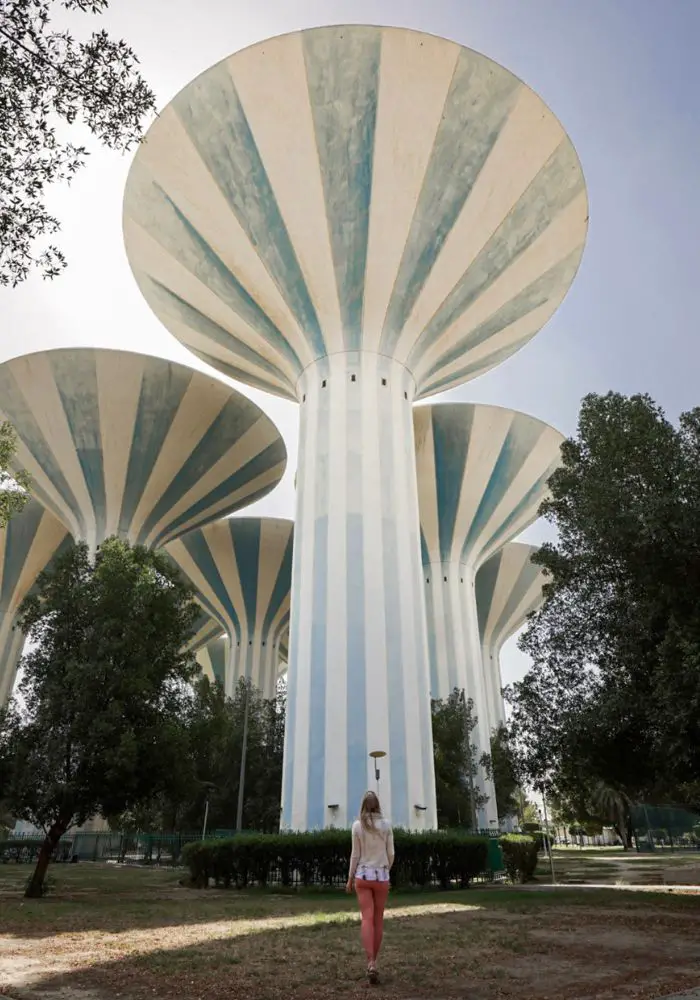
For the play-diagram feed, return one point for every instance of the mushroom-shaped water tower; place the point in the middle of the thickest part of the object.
(508, 588)
(213, 658)
(241, 568)
(27, 545)
(482, 475)
(355, 217)
(135, 446)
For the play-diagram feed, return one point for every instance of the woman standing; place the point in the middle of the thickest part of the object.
(370, 864)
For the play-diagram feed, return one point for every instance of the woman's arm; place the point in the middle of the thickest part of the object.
(355, 856)
(390, 846)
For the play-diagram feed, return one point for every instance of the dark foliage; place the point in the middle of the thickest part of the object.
(105, 688)
(610, 712)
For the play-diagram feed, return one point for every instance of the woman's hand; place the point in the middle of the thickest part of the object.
(348, 886)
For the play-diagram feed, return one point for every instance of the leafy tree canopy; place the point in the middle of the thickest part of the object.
(505, 774)
(14, 486)
(105, 687)
(457, 761)
(50, 81)
(610, 711)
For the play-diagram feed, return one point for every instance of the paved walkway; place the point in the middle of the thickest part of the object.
(573, 886)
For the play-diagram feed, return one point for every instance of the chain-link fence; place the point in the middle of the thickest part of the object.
(665, 828)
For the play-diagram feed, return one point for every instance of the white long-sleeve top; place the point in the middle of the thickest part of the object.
(372, 849)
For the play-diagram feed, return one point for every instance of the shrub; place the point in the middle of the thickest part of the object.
(519, 856)
(321, 858)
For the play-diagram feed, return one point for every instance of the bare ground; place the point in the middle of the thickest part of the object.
(136, 934)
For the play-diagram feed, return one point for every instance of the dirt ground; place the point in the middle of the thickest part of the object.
(131, 934)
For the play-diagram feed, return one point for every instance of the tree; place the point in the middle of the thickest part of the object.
(106, 686)
(504, 769)
(14, 486)
(457, 761)
(48, 81)
(214, 730)
(613, 697)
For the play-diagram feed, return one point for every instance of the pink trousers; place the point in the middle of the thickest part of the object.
(372, 898)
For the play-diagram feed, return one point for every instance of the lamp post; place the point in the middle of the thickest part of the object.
(376, 756)
(208, 787)
(548, 842)
(244, 754)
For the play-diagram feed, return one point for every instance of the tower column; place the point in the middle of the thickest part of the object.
(358, 657)
(254, 659)
(456, 658)
(491, 656)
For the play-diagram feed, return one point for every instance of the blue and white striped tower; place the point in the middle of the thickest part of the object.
(508, 588)
(213, 659)
(135, 446)
(241, 568)
(482, 475)
(355, 217)
(206, 629)
(27, 545)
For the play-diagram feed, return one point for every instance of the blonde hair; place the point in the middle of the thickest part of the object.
(370, 810)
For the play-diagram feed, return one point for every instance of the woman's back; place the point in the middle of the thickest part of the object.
(373, 845)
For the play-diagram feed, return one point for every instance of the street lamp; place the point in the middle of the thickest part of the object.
(244, 754)
(376, 756)
(208, 788)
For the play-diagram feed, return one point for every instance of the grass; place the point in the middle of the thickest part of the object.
(612, 866)
(134, 933)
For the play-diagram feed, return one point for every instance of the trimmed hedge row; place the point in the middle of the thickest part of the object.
(322, 858)
(520, 855)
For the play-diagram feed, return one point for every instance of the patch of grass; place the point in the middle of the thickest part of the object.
(138, 934)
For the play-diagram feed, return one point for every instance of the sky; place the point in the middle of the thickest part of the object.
(622, 76)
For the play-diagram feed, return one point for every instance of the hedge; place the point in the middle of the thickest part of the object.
(520, 855)
(321, 858)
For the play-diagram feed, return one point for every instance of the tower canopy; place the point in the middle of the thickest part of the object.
(482, 475)
(135, 446)
(355, 188)
(241, 568)
(27, 545)
(508, 587)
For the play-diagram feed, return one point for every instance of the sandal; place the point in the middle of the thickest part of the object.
(372, 974)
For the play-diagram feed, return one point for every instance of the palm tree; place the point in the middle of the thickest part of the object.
(613, 806)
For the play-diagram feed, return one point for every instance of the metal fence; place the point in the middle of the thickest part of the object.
(665, 828)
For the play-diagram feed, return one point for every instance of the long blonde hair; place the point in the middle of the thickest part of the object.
(370, 810)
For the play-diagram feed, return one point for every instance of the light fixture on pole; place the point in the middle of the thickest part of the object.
(376, 756)
(244, 753)
(208, 786)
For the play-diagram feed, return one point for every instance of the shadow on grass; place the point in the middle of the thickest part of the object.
(474, 945)
(95, 898)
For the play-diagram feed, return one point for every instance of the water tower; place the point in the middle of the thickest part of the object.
(482, 475)
(355, 217)
(130, 445)
(508, 588)
(241, 568)
(27, 545)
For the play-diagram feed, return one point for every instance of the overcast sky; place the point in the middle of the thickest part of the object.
(623, 76)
